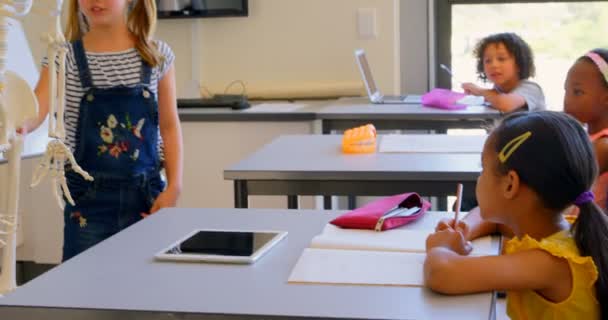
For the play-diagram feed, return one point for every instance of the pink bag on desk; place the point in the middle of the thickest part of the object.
(373, 215)
(443, 99)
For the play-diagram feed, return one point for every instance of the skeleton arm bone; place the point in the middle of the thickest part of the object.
(56, 53)
(6, 124)
(59, 121)
(57, 152)
(52, 56)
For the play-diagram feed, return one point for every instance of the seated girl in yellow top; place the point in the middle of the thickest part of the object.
(534, 165)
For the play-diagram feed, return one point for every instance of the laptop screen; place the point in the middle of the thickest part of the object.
(366, 72)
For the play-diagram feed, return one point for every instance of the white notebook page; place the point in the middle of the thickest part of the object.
(358, 267)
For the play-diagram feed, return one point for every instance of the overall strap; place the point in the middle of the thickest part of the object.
(146, 73)
(83, 67)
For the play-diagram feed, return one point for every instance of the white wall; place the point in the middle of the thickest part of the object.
(206, 158)
(286, 42)
(291, 42)
(414, 42)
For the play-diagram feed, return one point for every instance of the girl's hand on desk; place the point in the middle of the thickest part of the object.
(470, 88)
(450, 239)
(167, 198)
(448, 223)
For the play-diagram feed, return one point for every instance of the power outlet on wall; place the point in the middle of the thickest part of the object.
(366, 23)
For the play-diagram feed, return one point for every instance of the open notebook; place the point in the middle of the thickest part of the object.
(352, 256)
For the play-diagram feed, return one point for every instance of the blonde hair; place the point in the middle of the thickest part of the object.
(141, 21)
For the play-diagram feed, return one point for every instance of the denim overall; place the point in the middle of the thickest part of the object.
(116, 143)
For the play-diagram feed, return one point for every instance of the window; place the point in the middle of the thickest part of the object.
(558, 32)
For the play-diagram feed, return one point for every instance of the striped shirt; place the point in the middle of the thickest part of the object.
(122, 68)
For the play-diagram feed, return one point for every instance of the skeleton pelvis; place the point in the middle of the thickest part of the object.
(18, 102)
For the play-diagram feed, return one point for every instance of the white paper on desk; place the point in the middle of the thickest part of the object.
(431, 143)
(399, 239)
(471, 100)
(358, 267)
(275, 107)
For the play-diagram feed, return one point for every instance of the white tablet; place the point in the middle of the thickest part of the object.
(226, 246)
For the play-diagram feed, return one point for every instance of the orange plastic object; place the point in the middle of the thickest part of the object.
(359, 140)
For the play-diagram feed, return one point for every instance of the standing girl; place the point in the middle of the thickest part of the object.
(120, 108)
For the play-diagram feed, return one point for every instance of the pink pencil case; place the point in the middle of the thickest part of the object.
(443, 99)
(385, 213)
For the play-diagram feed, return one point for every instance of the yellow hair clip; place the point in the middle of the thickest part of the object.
(510, 147)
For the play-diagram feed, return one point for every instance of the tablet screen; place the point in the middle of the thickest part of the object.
(224, 243)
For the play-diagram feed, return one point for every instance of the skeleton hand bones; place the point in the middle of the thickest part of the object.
(53, 161)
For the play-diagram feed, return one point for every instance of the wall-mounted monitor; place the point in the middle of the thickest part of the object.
(174, 9)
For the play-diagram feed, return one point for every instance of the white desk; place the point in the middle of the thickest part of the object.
(352, 112)
(119, 279)
(315, 165)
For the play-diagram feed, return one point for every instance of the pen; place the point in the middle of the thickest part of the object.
(395, 212)
(457, 205)
(449, 71)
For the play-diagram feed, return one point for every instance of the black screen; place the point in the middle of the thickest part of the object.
(230, 243)
(201, 8)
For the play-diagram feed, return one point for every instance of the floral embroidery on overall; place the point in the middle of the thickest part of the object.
(82, 221)
(115, 137)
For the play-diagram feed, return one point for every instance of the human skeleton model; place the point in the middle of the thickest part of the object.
(17, 104)
(57, 152)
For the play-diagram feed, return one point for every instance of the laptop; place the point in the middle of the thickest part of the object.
(375, 96)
